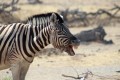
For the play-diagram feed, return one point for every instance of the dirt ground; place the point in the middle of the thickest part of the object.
(102, 60)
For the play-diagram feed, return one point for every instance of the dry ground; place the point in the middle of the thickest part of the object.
(103, 60)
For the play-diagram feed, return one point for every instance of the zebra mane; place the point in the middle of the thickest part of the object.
(59, 17)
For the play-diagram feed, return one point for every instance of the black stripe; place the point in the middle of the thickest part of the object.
(35, 46)
(3, 36)
(2, 29)
(19, 39)
(31, 37)
(1, 40)
(39, 24)
(44, 39)
(36, 30)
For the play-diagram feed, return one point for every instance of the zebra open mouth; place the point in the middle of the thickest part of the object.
(70, 50)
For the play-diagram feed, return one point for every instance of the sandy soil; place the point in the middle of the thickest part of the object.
(102, 60)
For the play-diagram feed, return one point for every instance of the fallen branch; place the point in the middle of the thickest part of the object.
(71, 76)
(78, 76)
(89, 73)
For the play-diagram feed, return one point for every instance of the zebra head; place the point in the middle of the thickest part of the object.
(62, 38)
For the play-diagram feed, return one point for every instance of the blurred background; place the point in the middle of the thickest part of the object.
(77, 12)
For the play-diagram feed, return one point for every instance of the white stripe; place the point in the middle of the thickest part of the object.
(34, 22)
(37, 20)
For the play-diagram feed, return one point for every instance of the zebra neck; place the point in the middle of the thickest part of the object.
(42, 39)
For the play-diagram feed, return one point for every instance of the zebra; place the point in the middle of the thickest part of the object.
(20, 42)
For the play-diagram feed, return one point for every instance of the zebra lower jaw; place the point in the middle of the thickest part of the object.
(70, 50)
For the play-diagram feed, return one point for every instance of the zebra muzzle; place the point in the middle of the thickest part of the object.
(75, 43)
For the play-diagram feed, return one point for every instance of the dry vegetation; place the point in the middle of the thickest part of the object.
(102, 60)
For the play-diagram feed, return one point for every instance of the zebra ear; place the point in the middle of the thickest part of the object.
(53, 18)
